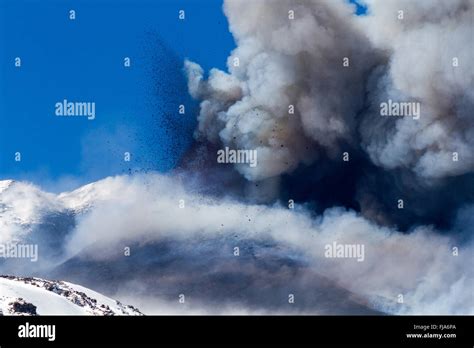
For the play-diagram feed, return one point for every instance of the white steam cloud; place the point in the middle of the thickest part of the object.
(145, 209)
(420, 265)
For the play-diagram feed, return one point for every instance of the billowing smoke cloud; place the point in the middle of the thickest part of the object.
(287, 92)
(429, 47)
(144, 212)
(292, 55)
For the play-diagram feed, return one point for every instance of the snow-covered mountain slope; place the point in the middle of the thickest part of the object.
(31, 215)
(24, 206)
(4, 184)
(35, 296)
(84, 198)
(27, 203)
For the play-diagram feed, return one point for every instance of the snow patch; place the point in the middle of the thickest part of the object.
(36, 296)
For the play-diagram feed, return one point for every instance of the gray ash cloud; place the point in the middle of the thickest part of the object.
(403, 51)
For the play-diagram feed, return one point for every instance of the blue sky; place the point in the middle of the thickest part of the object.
(82, 60)
(361, 9)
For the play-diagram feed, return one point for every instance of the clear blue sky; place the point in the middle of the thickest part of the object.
(82, 60)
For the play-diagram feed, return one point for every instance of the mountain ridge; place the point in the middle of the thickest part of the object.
(36, 296)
